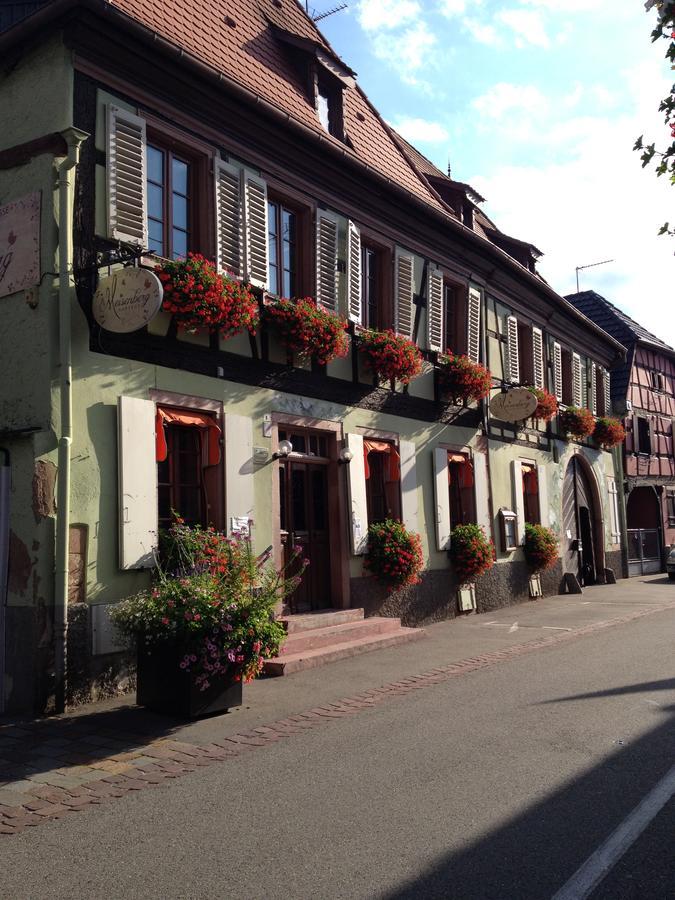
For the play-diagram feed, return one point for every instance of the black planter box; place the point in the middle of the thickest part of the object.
(164, 687)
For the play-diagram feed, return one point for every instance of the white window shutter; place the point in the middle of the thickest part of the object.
(538, 358)
(557, 372)
(606, 384)
(435, 309)
(613, 510)
(404, 316)
(409, 501)
(255, 229)
(518, 498)
(327, 259)
(593, 387)
(238, 453)
(473, 326)
(229, 224)
(576, 379)
(126, 174)
(357, 494)
(512, 357)
(137, 467)
(354, 274)
(544, 513)
(482, 493)
(442, 491)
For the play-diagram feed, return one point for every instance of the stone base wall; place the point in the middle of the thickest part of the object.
(92, 678)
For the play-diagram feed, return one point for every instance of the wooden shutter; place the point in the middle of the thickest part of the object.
(542, 484)
(435, 309)
(354, 274)
(593, 388)
(512, 357)
(613, 501)
(238, 440)
(255, 229)
(606, 385)
(473, 326)
(403, 299)
(126, 174)
(482, 492)
(577, 399)
(518, 498)
(357, 495)
(229, 230)
(557, 372)
(137, 467)
(409, 501)
(442, 491)
(326, 258)
(538, 358)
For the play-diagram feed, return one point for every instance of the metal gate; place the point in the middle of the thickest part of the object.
(644, 551)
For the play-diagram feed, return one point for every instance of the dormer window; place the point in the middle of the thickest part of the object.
(329, 103)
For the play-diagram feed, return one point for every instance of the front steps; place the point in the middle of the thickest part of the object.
(331, 634)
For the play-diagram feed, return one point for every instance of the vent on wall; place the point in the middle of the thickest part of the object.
(12, 12)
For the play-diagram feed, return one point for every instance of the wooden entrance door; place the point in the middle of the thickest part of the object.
(579, 516)
(305, 524)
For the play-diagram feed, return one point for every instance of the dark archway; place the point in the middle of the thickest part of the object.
(643, 522)
(583, 543)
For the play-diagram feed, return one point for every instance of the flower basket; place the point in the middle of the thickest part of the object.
(547, 404)
(201, 299)
(471, 552)
(540, 547)
(577, 422)
(461, 379)
(206, 624)
(308, 330)
(394, 554)
(608, 433)
(390, 356)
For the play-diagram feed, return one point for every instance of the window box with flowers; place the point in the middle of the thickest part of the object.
(471, 552)
(577, 422)
(394, 554)
(547, 405)
(206, 624)
(390, 356)
(461, 380)
(608, 433)
(199, 298)
(540, 547)
(308, 330)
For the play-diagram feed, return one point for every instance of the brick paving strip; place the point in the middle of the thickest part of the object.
(86, 769)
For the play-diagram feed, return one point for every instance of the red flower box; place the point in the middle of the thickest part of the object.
(608, 433)
(547, 405)
(540, 547)
(309, 330)
(394, 554)
(198, 297)
(390, 356)
(462, 379)
(576, 422)
(471, 552)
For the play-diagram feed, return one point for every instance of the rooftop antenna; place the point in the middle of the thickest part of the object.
(329, 12)
(590, 266)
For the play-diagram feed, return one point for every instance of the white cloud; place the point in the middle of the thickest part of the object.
(569, 5)
(482, 32)
(527, 26)
(407, 51)
(451, 8)
(374, 15)
(421, 130)
(503, 98)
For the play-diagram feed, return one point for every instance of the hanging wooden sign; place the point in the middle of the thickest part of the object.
(127, 300)
(514, 405)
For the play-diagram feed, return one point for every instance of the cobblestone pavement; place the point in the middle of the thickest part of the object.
(52, 768)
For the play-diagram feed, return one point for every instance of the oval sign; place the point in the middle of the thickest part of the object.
(127, 300)
(514, 405)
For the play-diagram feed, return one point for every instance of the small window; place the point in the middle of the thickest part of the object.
(644, 439)
(169, 185)
(383, 480)
(329, 105)
(530, 493)
(567, 378)
(282, 249)
(525, 353)
(461, 486)
(455, 318)
(670, 508)
(657, 380)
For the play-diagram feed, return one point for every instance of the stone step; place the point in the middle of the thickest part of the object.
(322, 618)
(289, 663)
(313, 638)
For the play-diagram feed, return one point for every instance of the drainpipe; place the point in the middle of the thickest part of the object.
(74, 138)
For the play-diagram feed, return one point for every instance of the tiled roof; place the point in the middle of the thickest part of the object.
(236, 37)
(613, 320)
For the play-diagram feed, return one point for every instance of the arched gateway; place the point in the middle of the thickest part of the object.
(583, 547)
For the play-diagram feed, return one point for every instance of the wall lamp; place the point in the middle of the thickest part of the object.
(283, 450)
(346, 455)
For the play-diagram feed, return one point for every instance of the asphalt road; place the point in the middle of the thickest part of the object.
(498, 784)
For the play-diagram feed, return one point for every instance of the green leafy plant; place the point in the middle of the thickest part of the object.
(390, 356)
(471, 552)
(308, 330)
(394, 553)
(462, 379)
(577, 422)
(215, 599)
(540, 547)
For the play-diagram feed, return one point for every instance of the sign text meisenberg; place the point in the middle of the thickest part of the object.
(127, 300)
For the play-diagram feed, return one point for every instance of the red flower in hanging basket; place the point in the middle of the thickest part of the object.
(577, 422)
(608, 433)
(462, 379)
(471, 552)
(394, 554)
(540, 547)
(547, 405)
(308, 329)
(199, 297)
(390, 356)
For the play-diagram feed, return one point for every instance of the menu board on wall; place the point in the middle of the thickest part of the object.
(19, 244)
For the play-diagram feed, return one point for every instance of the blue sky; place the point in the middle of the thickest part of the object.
(537, 104)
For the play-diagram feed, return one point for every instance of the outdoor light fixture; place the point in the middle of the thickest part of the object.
(346, 455)
(283, 450)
